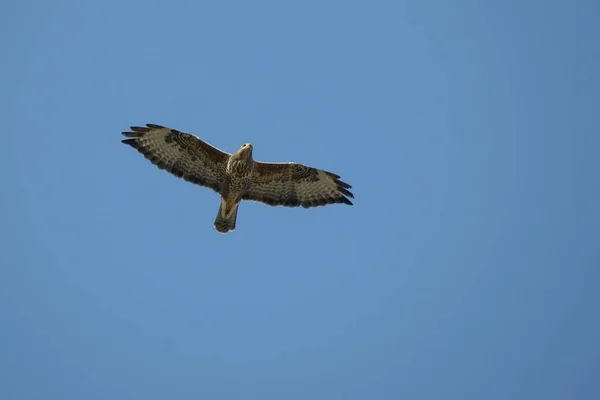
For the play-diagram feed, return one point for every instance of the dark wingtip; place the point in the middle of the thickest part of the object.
(343, 184)
(136, 131)
(343, 188)
(346, 192)
(131, 142)
(346, 201)
(139, 131)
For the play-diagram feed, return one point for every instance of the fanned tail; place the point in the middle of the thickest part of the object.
(223, 223)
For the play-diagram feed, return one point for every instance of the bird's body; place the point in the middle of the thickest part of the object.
(237, 176)
(237, 180)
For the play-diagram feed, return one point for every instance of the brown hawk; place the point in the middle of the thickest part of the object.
(237, 176)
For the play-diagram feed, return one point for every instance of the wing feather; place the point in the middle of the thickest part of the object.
(182, 154)
(293, 185)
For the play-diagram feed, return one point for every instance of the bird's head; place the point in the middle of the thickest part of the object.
(245, 151)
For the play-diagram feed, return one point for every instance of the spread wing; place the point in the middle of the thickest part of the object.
(293, 185)
(181, 154)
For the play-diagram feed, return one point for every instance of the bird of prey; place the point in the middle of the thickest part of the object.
(236, 176)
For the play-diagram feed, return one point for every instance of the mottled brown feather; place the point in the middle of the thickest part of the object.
(182, 154)
(293, 185)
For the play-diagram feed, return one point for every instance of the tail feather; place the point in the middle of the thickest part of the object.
(222, 224)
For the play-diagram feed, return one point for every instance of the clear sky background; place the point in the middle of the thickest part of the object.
(468, 267)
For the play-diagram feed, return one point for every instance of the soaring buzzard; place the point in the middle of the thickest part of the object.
(237, 176)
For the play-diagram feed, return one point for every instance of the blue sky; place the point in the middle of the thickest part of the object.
(467, 268)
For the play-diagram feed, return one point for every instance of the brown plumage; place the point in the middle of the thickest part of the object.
(237, 176)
